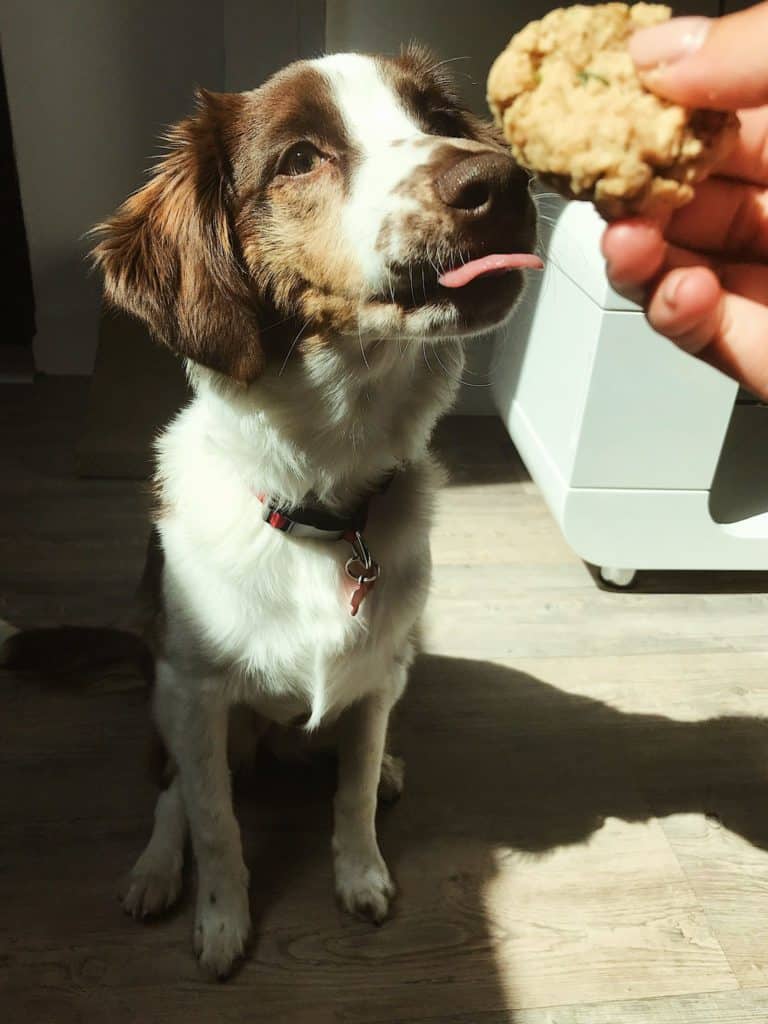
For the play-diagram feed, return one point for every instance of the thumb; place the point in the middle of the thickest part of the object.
(719, 63)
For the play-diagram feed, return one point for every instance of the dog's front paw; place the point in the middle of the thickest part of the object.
(222, 927)
(364, 886)
(153, 885)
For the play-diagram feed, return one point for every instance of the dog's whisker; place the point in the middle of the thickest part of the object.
(448, 60)
(426, 357)
(293, 345)
(549, 206)
(391, 286)
(277, 323)
(362, 349)
(459, 379)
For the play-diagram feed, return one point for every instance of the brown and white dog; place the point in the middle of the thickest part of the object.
(317, 250)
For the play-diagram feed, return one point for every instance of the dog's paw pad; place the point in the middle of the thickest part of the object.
(365, 889)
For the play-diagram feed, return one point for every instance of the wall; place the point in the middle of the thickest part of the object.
(260, 38)
(470, 33)
(90, 85)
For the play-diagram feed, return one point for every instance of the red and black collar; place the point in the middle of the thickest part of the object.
(313, 521)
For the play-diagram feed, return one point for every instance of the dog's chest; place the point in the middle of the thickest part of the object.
(270, 610)
(275, 610)
(277, 617)
(260, 594)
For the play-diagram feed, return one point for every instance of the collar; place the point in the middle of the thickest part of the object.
(313, 521)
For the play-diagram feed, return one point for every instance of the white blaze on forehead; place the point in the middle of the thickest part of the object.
(375, 118)
(371, 109)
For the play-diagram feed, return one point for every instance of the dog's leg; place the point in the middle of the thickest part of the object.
(193, 717)
(155, 880)
(363, 883)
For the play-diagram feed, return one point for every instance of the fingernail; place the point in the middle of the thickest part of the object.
(671, 288)
(668, 42)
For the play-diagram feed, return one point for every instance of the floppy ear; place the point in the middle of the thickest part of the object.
(169, 257)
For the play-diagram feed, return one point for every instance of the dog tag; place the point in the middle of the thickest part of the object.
(360, 580)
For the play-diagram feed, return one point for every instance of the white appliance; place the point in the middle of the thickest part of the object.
(647, 458)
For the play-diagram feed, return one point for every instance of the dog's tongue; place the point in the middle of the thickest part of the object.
(498, 263)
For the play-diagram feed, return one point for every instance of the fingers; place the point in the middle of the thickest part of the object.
(729, 331)
(712, 310)
(638, 257)
(725, 217)
(748, 160)
(701, 62)
(686, 306)
(635, 273)
(634, 251)
(749, 280)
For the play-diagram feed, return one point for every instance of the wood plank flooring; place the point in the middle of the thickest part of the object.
(584, 833)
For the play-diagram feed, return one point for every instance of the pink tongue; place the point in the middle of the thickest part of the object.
(494, 264)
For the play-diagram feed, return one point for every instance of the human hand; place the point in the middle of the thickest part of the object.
(702, 274)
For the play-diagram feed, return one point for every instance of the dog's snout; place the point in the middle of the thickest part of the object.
(476, 183)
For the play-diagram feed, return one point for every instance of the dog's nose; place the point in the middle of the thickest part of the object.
(475, 184)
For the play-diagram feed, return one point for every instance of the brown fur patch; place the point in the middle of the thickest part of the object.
(428, 94)
(215, 241)
(289, 226)
(169, 257)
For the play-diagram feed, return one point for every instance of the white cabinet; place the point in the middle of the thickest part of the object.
(625, 434)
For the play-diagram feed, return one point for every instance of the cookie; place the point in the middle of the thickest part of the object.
(566, 94)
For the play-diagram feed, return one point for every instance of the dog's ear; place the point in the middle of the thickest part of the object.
(169, 257)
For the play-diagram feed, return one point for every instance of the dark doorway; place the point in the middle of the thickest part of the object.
(19, 302)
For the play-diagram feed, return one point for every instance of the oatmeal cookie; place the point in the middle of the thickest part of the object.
(568, 98)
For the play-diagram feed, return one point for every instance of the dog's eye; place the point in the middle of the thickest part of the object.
(301, 158)
(447, 123)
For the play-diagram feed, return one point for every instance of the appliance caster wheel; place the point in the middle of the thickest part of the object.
(617, 577)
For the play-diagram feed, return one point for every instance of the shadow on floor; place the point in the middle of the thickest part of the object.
(532, 767)
(499, 759)
(496, 759)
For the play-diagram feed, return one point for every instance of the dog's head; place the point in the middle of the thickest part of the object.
(348, 196)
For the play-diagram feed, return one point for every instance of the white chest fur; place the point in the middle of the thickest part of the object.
(265, 610)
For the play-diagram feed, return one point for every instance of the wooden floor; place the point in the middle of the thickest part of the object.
(584, 833)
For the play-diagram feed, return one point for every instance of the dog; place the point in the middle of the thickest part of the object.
(318, 251)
